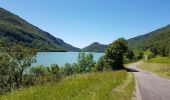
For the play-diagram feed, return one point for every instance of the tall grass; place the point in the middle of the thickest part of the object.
(90, 86)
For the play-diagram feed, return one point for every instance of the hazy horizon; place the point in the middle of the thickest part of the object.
(80, 23)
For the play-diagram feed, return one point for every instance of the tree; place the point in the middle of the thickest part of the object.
(154, 50)
(85, 62)
(130, 55)
(115, 53)
(23, 57)
(160, 49)
(140, 55)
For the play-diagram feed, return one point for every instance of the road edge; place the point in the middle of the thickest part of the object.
(137, 95)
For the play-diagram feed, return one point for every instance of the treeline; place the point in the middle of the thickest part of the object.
(16, 61)
(162, 50)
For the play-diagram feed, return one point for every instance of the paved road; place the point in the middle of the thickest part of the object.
(150, 86)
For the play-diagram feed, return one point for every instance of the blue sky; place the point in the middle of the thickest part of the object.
(81, 22)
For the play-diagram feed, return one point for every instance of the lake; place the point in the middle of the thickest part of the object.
(60, 58)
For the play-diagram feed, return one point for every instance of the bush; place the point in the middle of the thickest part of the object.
(152, 55)
(7, 72)
(140, 55)
(55, 71)
(23, 57)
(39, 71)
(85, 63)
(101, 64)
(68, 69)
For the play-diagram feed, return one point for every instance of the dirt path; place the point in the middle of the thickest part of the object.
(150, 86)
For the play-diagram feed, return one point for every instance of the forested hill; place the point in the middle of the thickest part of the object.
(15, 29)
(95, 47)
(159, 38)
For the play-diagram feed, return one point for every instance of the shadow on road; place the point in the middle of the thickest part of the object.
(131, 70)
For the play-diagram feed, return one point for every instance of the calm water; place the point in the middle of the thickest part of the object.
(60, 58)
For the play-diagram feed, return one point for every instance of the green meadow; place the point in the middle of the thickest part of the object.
(108, 85)
(161, 60)
(158, 65)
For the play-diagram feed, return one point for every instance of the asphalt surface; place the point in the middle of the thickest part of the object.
(150, 86)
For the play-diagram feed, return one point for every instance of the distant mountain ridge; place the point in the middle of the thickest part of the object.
(95, 47)
(159, 37)
(15, 29)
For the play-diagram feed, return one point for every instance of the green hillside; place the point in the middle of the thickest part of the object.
(14, 29)
(158, 38)
(95, 47)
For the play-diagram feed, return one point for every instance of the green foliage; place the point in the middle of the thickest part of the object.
(69, 69)
(39, 71)
(55, 71)
(130, 55)
(7, 72)
(140, 55)
(152, 55)
(147, 52)
(101, 64)
(157, 41)
(160, 50)
(23, 57)
(115, 53)
(14, 64)
(85, 62)
(95, 47)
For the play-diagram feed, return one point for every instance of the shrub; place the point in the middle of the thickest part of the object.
(101, 64)
(152, 55)
(140, 55)
(55, 71)
(39, 71)
(7, 72)
(68, 69)
(23, 57)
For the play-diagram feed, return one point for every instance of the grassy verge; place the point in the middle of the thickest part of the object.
(91, 86)
(162, 60)
(159, 69)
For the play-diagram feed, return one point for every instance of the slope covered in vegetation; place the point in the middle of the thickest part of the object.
(158, 39)
(95, 47)
(15, 29)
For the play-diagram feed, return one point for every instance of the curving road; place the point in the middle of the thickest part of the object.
(150, 86)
